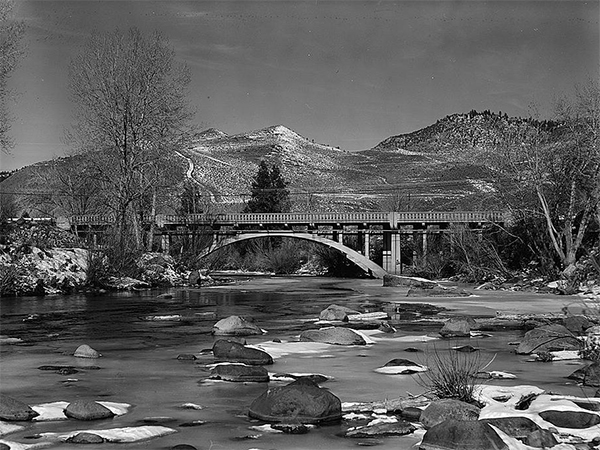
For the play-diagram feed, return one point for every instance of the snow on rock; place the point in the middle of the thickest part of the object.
(19, 446)
(10, 340)
(55, 410)
(45, 271)
(366, 317)
(563, 355)
(498, 375)
(501, 401)
(191, 406)
(267, 428)
(118, 435)
(6, 427)
(401, 367)
(284, 348)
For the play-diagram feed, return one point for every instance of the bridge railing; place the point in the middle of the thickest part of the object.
(92, 219)
(391, 218)
(449, 216)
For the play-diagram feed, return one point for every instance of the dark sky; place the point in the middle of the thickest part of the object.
(346, 73)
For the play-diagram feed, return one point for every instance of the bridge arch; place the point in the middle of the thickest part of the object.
(360, 260)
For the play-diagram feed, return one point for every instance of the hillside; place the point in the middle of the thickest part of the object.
(435, 168)
(318, 175)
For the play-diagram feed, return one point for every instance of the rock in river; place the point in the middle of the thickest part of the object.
(399, 280)
(333, 335)
(236, 326)
(516, 426)
(240, 373)
(85, 351)
(548, 338)
(458, 327)
(12, 409)
(231, 351)
(441, 410)
(85, 438)
(301, 401)
(400, 366)
(86, 410)
(588, 375)
(571, 419)
(399, 428)
(462, 435)
(336, 312)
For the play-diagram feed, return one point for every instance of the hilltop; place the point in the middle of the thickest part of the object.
(317, 173)
(434, 168)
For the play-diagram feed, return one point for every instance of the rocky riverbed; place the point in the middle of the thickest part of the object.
(256, 364)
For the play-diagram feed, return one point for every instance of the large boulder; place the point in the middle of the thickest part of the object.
(462, 435)
(588, 375)
(12, 409)
(548, 338)
(571, 419)
(336, 312)
(240, 373)
(300, 401)
(541, 439)
(236, 326)
(86, 410)
(231, 351)
(518, 427)
(333, 335)
(458, 327)
(448, 408)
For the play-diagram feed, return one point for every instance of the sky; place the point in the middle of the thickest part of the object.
(346, 73)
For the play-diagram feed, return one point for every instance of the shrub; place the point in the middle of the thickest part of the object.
(97, 267)
(451, 374)
(283, 257)
(9, 276)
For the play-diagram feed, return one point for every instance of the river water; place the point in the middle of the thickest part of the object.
(140, 367)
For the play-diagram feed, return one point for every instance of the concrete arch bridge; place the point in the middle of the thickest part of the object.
(330, 229)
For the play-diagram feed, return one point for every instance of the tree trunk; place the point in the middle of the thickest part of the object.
(152, 221)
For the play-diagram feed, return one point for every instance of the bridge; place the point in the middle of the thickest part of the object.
(335, 230)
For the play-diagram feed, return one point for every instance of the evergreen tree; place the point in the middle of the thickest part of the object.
(269, 192)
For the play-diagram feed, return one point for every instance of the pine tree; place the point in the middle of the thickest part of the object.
(269, 192)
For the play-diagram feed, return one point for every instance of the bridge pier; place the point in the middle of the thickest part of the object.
(165, 243)
(366, 242)
(392, 252)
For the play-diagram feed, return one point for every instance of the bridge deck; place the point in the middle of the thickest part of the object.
(393, 219)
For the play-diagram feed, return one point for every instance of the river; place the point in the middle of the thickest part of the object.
(140, 367)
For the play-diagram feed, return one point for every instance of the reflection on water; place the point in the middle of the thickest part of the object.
(140, 366)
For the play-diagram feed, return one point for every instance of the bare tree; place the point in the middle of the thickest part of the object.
(69, 188)
(11, 33)
(559, 163)
(130, 95)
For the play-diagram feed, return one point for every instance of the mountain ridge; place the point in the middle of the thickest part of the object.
(422, 170)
